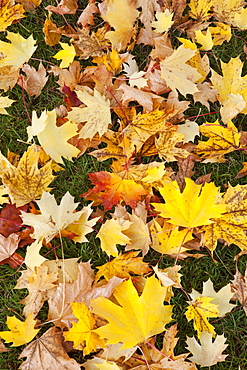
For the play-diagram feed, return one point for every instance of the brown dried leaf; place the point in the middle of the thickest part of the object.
(34, 81)
(52, 32)
(47, 352)
(87, 16)
(64, 7)
(80, 290)
(40, 285)
(8, 246)
(87, 45)
(239, 287)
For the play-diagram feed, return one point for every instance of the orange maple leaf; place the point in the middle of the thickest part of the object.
(110, 189)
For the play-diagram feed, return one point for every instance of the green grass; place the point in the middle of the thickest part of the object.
(74, 178)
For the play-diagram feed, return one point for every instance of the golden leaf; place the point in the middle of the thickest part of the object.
(195, 206)
(26, 182)
(199, 311)
(134, 315)
(20, 332)
(222, 140)
(83, 330)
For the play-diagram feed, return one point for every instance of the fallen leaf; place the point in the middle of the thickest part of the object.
(33, 258)
(164, 21)
(26, 182)
(8, 246)
(232, 225)
(21, 332)
(199, 9)
(64, 7)
(40, 284)
(34, 81)
(221, 298)
(18, 51)
(97, 114)
(194, 207)
(48, 352)
(222, 140)
(178, 74)
(122, 266)
(66, 55)
(83, 330)
(208, 353)
(53, 218)
(45, 129)
(199, 310)
(111, 234)
(134, 315)
(111, 189)
(189, 130)
(4, 103)
(9, 13)
(230, 83)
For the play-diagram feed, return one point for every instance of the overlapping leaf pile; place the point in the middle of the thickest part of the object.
(136, 118)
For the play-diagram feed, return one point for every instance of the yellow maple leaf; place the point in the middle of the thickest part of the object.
(53, 218)
(83, 330)
(97, 114)
(164, 21)
(168, 239)
(83, 226)
(67, 55)
(110, 234)
(222, 140)
(46, 130)
(134, 315)
(26, 182)
(20, 332)
(122, 266)
(199, 310)
(123, 25)
(166, 146)
(111, 60)
(222, 32)
(142, 127)
(199, 9)
(233, 224)
(18, 51)
(33, 258)
(231, 83)
(10, 12)
(5, 102)
(195, 206)
(205, 39)
(177, 73)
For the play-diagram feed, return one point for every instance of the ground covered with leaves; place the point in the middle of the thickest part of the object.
(123, 220)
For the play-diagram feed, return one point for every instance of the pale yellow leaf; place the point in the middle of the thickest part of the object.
(46, 130)
(110, 234)
(97, 114)
(18, 51)
(178, 74)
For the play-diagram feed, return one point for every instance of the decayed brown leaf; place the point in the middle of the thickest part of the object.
(239, 287)
(34, 81)
(81, 290)
(40, 284)
(8, 246)
(48, 352)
